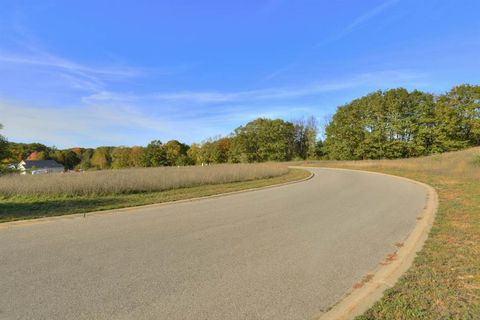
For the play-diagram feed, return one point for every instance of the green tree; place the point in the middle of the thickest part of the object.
(21, 151)
(154, 155)
(4, 150)
(121, 157)
(215, 150)
(175, 153)
(384, 124)
(344, 133)
(458, 114)
(263, 140)
(319, 150)
(136, 154)
(57, 155)
(101, 158)
(67, 158)
(305, 138)
(194, 154)
(85, 160)
(70, 159)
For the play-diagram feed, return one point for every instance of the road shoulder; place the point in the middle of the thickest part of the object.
(365, 294)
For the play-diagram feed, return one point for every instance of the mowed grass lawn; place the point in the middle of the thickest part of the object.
(28, 197)
(444, 281)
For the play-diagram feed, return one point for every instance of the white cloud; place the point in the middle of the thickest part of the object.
(380, 79)
(71, 126)
(111, 118)
(68, 73)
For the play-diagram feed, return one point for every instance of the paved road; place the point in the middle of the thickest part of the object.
(282, 253)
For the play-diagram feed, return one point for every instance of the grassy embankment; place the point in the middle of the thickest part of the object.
(444, 281)
(27, 197)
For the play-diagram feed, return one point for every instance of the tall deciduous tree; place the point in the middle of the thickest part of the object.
(85, 160)
(175, 153)
(459, 117)
(305, 138)
(194, 153)
(101, 158)
(121, 157)
(397, 124)
(154, 155)
(263, 140)
(136, 154)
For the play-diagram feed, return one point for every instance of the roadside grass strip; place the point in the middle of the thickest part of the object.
(444, 280)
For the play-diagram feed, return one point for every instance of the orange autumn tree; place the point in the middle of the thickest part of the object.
(36, 155)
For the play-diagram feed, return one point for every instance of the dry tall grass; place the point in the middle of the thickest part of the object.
(124, 181)
(465, 163)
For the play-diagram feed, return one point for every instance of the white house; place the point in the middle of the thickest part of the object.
(39, 166)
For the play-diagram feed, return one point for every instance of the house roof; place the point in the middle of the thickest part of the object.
(41, 164)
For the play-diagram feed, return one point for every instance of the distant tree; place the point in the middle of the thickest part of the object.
(319, 151)
(4, 150)
(57, 155)
(384, 124)
(263, 140)
(223, 147)
(398, 124)
(135, 158)
(184, 160)
(21, 151)
(311, 137)
(458, 114)
(215, 150)
(154, 155)
(101, 158)
(194, 153)
(344, 132)
(305, 137)
(37, 155)
(121, 157)
(77, 151)
(67, 158)
(85, 160)
(70, 159)
(175, 152)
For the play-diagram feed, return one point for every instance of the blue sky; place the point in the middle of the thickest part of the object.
(92, 73)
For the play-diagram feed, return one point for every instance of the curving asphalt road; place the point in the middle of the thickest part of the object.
(288, 252)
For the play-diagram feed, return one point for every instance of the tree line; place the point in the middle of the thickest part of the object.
(400, 124)
(257, 141)
(387, 124)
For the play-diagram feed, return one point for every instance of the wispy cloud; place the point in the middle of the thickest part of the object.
(70, 126)
(75, 75)
(115, 118)
(382, 79)
(44, 59)
(103, 124)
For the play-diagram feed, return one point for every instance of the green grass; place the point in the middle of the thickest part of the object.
(444, 280)
(30, 207)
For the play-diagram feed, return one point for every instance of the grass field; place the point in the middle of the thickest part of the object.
(125, 181)
(27, 197)
(444, 281)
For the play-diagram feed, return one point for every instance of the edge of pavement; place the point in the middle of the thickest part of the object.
(359, 300)
(26, 222)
